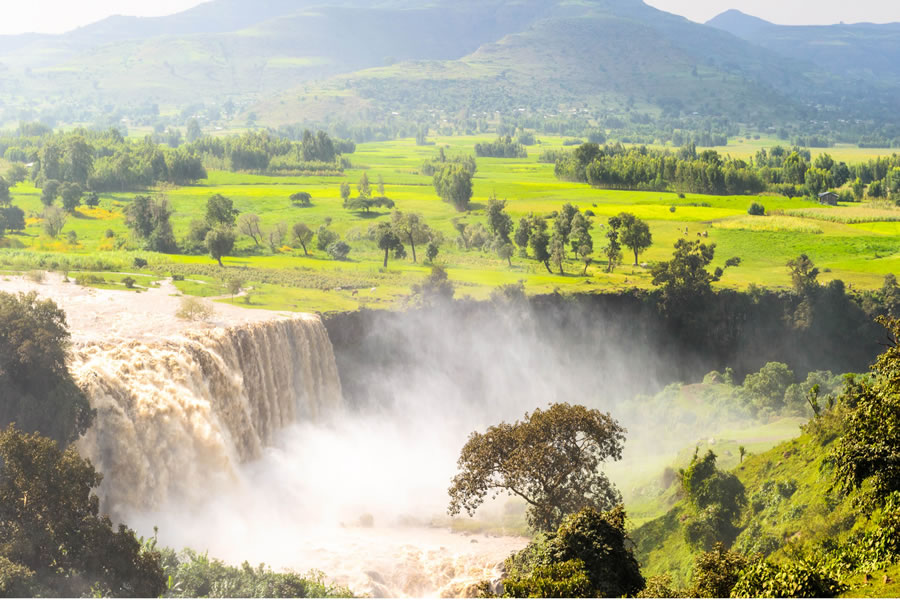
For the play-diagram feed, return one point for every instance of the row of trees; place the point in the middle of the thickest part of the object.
(789, 172)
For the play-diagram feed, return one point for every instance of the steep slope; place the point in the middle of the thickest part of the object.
(862, 51)
(607, 54)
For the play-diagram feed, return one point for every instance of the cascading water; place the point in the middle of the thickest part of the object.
(176, 417)
(236, 441)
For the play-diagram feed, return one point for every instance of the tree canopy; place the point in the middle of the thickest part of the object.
(551, 459)
(53, 541)
(36, 390)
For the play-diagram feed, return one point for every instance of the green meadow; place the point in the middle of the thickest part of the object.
(858, 244)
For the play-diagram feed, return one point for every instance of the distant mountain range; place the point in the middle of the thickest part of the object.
(862, 51)
(299, 60)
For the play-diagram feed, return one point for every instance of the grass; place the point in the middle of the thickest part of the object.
(849, 214)
(859, 252)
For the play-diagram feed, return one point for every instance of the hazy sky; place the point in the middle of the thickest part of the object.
(56, 16)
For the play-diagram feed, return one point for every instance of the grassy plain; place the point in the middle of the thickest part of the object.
(857, 244)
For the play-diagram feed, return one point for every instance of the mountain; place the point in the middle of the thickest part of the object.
(287, 61)
(862, 51)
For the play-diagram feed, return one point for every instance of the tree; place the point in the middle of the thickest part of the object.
(716, 498)
(453, 183)
(150, 220)
(589, 556)
(716, 572)
(539, 240)
(248, 224)
(345, 191)
(338, 250)
(220, 242)
(432, 251)
(325, 237)
(194, 132)
(523, 235)
(767, 387)
(50, 191)
(54, 220)
(380, 186)
(364, 203)
(275, 235)
(562, 225)
(500, 224)
(220, 211)
(867, 452)
(685, 276)
(363, 186)
(411, 228)
(804, 275)
(635, 234)
(16, 174)
(551, 459)
(36, 390)
(5, 197)
(613, 249)
(436, 288)
(234, 285)
(859, 189)
(52, 531)
(303, 199)
(580, 236)
(303, 235)
(15, 218)
(506, 251)
(558, 251)
(387, 240)
(92, 199)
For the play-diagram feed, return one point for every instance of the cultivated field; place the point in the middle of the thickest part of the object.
(856, 243)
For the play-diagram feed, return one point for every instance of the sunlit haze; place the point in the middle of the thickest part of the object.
(58, 16)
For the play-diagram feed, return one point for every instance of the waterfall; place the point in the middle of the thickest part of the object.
(177, 416)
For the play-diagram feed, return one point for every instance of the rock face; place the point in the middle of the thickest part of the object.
(177, 416)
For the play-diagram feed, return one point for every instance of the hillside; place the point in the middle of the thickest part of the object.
(311, 61)
(860, 52)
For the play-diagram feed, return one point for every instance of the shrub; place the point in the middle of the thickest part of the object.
(110, 234)
(129, 282)
(139, 262)
(194, 309)
(338, 250)
(756, 209)
(36, 276)
(801, 579)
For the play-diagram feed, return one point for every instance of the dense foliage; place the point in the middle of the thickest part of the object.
(588, 556)
(36, 390)
(53, 541)
(551, 459)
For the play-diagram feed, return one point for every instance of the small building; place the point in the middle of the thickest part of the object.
(829, 198)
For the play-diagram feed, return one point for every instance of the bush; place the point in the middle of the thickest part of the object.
(139, 262)
(802, 579)
(194, 309)
(756, 209)
(129, 282)
(110, 234)
(36, 276)
(338, 250)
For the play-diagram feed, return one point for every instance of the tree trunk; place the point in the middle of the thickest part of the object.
(413, 246)
(305, 253)
(584, 273)
(509, 260)
(385, 258)
(547, 264)
(635, 258)
(219, 258)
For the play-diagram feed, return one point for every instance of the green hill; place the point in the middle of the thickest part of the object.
(859, 52)
(364, 60)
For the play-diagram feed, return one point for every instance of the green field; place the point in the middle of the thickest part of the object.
(855, 243)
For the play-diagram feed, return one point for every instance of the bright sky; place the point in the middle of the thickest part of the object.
(57, 16)
(789, 12)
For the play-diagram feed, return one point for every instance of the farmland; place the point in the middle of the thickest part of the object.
(856, 243)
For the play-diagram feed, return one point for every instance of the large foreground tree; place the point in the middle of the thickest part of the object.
(53, 542)
(551, 459)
